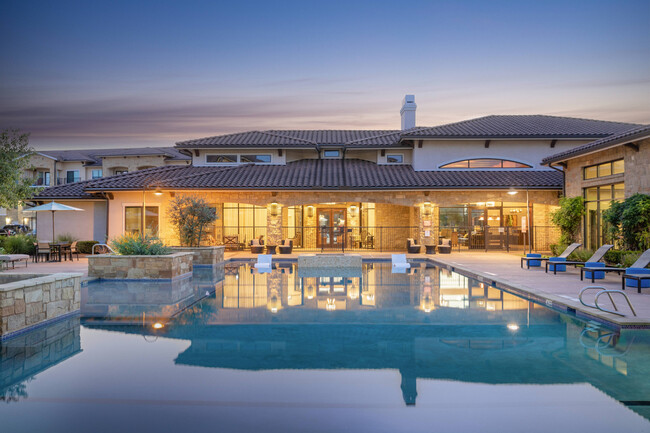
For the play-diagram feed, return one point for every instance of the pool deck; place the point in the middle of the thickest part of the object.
(501, 269)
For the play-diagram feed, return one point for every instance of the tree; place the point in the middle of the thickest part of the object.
(630, 219)
(189, 215)
(15, 154)
(568, 218)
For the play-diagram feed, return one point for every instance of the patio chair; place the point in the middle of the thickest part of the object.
(412, 247)
(559, 263)
(445, 246)
(74, 250)
(42, 250)
(264, 263)
(286, 247)
(257, 246)
(598, 272)
(537, 259)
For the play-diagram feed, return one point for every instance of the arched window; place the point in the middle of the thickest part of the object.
(485, 163)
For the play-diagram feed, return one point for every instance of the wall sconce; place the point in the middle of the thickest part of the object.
(310, 211)
(274, 209)
(426, 208)
(158, 192)
(8, 220)
(354, 209)
(26, 221)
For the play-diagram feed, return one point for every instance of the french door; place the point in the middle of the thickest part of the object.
(331, 228)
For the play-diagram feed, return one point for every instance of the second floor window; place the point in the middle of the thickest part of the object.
(221, 159)
(485, 163)
(42, 178)
(72, 176)
(394, 158)
(96, 174)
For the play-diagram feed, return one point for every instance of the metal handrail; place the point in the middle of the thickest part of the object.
(102, 245)
(601, 292)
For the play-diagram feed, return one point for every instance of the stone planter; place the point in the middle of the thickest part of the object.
(204, 256)
(167, 267)
(28, 300)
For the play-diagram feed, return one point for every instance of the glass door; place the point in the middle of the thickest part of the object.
(331, 228)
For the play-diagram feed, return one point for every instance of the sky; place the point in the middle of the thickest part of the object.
(88, 74)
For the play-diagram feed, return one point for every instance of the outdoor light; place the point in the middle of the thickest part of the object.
(158, 325)
(512, 191)
(310, 211)
(426, 207)
(158, 192)
(513, 326)
(274, 209)
(8, 220)
(354, 209)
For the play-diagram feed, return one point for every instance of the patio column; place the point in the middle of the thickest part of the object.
(273, 223)
(425, 215)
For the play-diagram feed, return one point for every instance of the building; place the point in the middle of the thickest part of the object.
(479, 183)
(612, 168)
(60, 167)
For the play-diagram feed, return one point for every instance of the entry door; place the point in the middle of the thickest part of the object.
(331, 228)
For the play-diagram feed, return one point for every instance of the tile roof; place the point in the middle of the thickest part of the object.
(310, 174)
(93, 156)
(522, 126)
(74, 190)
(631, 134)
(497, 126)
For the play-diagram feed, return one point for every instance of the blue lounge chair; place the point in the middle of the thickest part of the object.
(641, 263)
(537, 259)
(558, 264)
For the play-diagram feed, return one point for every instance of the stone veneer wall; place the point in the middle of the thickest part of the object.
(140, 267)
(40, 298)
(204, 256)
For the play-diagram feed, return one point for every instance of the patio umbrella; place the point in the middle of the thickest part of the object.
(54, 207)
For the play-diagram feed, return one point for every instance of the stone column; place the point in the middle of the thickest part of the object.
(273, 224)
(426, 223)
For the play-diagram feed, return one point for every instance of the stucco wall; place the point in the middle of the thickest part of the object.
(438, 152)
(85, 226)
(132, 163)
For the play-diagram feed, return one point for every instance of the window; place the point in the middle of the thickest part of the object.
(133, 220)
(258, 159)
(485, 163)
(96, 174)
(331, 153)
(72, 176)
(394, 158)
(245, 220)
(597, 200)
(221, 159)
(42, 178)
(603, 170)
(120, 171)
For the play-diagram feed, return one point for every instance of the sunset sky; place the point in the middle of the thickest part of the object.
(82, 74)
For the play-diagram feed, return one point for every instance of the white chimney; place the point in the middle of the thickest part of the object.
(408, 112)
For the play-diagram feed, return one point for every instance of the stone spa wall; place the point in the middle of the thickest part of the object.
(27, 300)
(170, 266)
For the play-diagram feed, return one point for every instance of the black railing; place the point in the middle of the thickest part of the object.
(381, 238)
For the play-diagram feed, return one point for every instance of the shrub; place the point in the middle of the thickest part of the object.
(629, 220)
(65, 238)
(628, 258)
(581, 255)
(86, 247)
(557, 249)
(569, 218)
(614, 256)
(136, 245)
(189, 215)
(19, 244)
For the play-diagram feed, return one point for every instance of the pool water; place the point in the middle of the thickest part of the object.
(319, 351)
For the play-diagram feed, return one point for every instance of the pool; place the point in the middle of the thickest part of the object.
(231, 349)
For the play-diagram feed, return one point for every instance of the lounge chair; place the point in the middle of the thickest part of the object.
(445, 246)
(264, 263)
(559, 263)
(257, 246)
(286, 247)
(641, 263)
(412, 247)
(13, 258)
(537, 258)
(400, 265)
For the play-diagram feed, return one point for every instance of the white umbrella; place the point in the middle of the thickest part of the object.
(53, 207)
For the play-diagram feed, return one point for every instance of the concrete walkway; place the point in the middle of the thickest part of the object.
(80, 266)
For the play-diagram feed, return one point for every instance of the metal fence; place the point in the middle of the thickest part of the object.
(381, 238)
